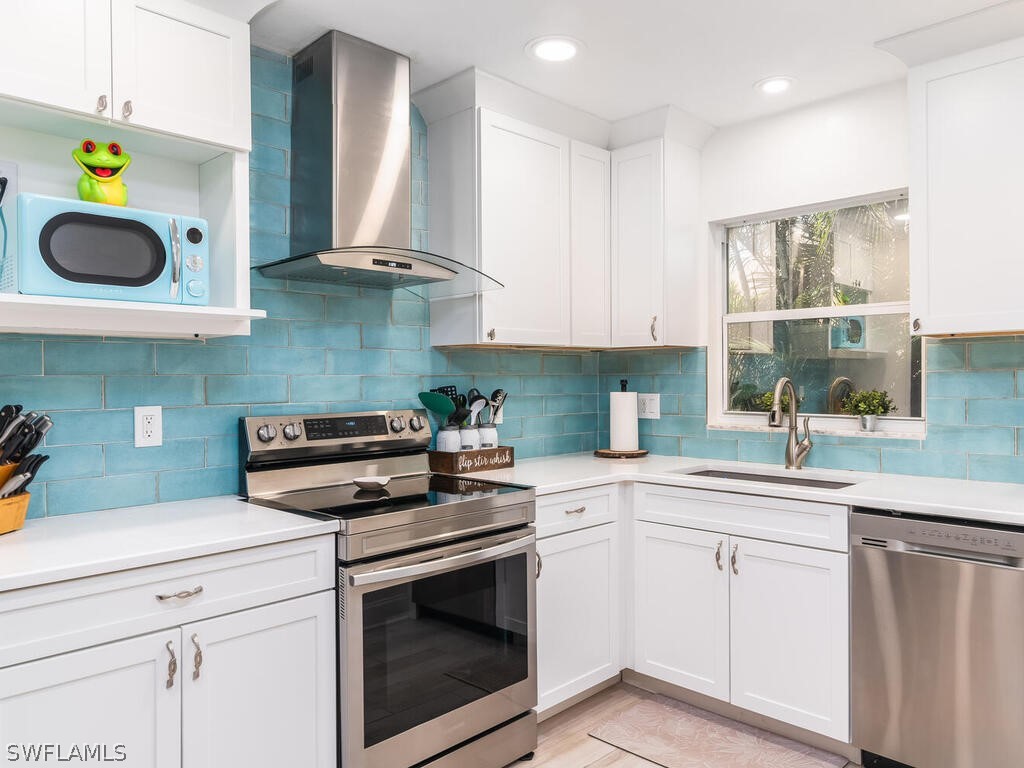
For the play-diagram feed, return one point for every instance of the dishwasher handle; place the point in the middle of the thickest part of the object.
(947, 553)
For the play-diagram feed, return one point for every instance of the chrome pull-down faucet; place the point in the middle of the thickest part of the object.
(796, 450)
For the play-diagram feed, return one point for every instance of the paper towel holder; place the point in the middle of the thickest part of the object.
(608, 453)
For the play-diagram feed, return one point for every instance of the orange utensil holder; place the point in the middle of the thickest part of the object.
(14, 509)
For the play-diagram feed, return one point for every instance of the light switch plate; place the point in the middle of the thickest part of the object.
(648, 406)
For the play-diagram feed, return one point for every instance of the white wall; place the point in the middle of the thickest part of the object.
(847, 147)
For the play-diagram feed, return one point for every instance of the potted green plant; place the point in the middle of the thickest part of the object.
(868, 404)
(766, 400)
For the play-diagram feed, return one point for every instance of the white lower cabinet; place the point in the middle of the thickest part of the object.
(681, 614)
(262, 692)
(762, 625)
(790, 635)
(578, 610)
(123, 698)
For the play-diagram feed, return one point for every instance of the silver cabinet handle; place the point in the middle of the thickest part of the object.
(654, 328)
(577, 511)
(718, 556)
(540, 565)
(735, 549)
(101, 104)
(198, 659)
(126, 109)
(916, 324)
(491, 334)
(183, 595)
(172, 665)
(175, 257)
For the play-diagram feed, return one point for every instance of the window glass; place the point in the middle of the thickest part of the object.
(853, 255)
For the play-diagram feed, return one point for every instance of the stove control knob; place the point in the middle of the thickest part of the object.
(416, 423)
(397, 424)
(292, 431)
(266, 433)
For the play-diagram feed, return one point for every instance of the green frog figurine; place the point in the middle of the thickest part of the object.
(102, 166)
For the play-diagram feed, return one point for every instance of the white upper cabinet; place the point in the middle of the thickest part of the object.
(658, 285)
(524, 232)
(591, 257)
(181, 69)
(637, 234)
(57, 53)
(165, 65)
(967, 162)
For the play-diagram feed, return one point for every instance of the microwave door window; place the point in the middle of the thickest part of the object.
(441, 642)
(86, 248)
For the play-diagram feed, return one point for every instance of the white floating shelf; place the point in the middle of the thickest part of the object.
(97, 317)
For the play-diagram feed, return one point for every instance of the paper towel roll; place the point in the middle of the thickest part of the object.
(622, 410)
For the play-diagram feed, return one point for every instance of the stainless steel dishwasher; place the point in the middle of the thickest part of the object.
(938, 641)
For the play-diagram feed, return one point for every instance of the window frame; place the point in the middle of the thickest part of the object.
(718, 418)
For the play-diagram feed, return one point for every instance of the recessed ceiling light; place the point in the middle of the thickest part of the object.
(553, 48)
(773, 85)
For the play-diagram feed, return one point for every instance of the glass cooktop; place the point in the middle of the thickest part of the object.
(349, 502)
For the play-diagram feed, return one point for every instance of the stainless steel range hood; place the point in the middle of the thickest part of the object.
(350, 182)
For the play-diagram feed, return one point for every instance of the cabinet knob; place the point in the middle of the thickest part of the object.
(654, 328)
(916, 325)
(126, 109)
(491, 334)
(101, 104)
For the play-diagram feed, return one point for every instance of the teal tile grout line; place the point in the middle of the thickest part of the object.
(338, 348)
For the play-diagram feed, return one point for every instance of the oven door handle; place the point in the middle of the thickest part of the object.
(175, 257)
(441, 563)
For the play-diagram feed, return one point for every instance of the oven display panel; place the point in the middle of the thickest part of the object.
(338, 428)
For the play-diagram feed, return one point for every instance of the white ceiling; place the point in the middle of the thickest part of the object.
(640, 54)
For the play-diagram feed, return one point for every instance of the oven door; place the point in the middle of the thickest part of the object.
(89, 250)
(436, 648)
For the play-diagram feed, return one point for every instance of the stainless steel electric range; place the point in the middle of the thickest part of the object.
(436, 588)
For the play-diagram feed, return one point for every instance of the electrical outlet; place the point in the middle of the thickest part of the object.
(149, 426)
(648, 406)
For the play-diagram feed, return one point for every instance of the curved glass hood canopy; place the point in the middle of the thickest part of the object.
(351, 188)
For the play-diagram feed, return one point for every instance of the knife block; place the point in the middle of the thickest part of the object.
(13, 511)
(7, 472)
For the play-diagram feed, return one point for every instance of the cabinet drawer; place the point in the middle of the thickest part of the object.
(573, 510)
(41, 621)
(790, 521)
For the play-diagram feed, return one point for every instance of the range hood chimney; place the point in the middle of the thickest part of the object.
(350, 180)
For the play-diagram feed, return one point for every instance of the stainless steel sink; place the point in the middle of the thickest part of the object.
(808, 482)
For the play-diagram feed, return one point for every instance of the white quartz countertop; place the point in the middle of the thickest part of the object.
(72, 546)
(967, 499)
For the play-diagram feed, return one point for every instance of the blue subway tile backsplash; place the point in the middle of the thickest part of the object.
(327, 347)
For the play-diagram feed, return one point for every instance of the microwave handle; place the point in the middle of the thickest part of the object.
(175, 258)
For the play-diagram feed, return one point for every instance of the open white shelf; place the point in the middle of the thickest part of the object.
(98, 317)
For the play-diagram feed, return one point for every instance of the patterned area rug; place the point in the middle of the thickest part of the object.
(677, 735)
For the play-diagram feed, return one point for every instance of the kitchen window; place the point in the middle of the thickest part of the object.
(822, 297)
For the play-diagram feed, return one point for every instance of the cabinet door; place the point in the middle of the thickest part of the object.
(591, 256)
(578, 613)
(790, 635)
(524, 232)
(638, 199)
(57, 52)
(967, 162)
(114, 697)
(181, 69)
(263, 695)
(682, 607)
